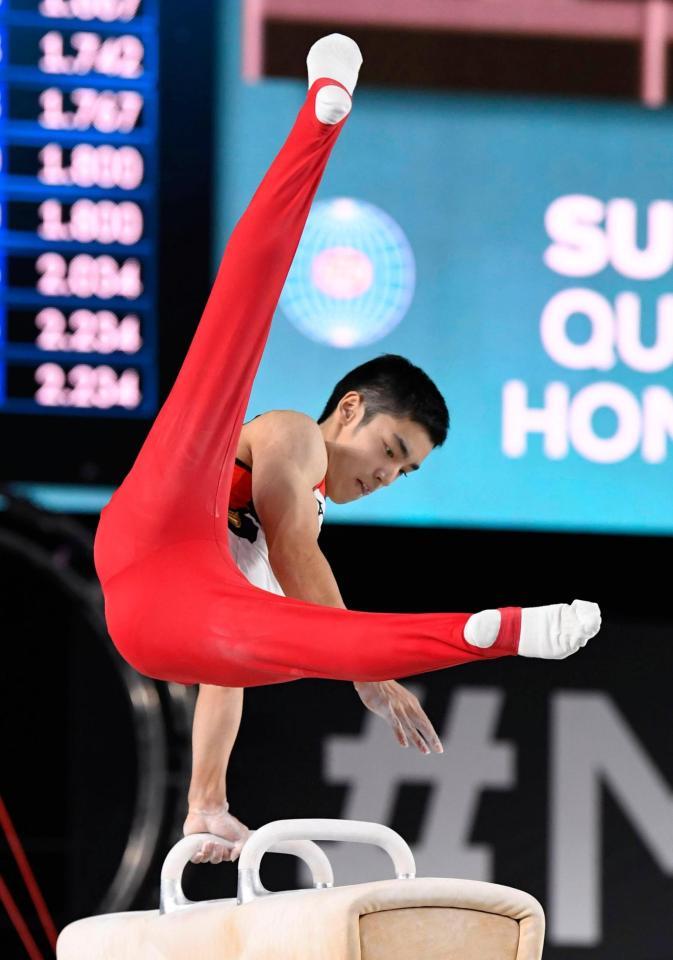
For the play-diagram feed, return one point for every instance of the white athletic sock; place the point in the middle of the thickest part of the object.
(334, 57)
(557, 630)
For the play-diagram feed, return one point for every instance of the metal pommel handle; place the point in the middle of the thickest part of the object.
(172, 896)
(355, 831)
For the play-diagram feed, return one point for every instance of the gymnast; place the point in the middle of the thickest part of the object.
(207, 553)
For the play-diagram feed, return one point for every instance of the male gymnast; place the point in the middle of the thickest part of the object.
(207, 552)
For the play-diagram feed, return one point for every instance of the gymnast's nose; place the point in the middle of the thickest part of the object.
(383, 477)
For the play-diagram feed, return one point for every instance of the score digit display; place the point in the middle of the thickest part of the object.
(78, 204)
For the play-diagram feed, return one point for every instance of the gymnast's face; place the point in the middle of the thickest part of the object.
(363, 458)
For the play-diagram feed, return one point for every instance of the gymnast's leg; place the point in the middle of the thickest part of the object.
(171, 491)
(201, 621)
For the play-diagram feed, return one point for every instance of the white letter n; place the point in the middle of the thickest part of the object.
(592, 746)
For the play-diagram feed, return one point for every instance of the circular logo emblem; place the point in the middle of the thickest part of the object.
(353, 275)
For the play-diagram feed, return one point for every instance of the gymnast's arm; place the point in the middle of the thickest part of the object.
(289, 459)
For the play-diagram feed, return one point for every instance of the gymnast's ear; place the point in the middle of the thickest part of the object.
(350, 408)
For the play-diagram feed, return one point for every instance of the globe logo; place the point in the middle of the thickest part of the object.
(353, 275)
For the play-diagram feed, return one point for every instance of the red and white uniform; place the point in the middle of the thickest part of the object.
(247, 543)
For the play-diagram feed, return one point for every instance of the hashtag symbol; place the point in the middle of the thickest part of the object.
(373, 767)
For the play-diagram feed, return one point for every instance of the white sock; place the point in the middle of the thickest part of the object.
(481, 630)
(557, 630)
(334, 57)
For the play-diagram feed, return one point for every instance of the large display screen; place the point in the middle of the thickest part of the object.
(520, 251)
(78, 130)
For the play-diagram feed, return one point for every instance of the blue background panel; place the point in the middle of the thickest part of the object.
(468, 180)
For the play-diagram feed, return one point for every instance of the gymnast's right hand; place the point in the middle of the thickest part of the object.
(220, 822)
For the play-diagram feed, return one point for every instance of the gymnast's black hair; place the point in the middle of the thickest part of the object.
(392, 384)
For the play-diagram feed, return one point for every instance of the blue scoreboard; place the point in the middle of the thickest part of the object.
(78, 207)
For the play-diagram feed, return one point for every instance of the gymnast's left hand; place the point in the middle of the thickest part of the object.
(402, 710)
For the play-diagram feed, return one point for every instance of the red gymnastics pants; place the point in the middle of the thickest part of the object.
(176, 605)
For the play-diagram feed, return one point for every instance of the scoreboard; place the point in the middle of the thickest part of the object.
(78, 207)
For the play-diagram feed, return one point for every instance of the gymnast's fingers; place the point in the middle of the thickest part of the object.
(235, 852)
(218, 853)
(430, 735)
(399, 731)
(423, 734)
(207, 850)
(419, 740)
(201, 855)
(411, 733)
(425, 729)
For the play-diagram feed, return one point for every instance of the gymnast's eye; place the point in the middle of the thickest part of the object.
(389, 452)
